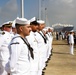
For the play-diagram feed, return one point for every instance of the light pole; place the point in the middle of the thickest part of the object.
(45, 14)
(43, 10)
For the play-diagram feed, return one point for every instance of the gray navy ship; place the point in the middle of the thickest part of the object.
(62, 27)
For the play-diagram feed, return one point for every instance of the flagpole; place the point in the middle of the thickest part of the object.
(22, 8)
(39, 9)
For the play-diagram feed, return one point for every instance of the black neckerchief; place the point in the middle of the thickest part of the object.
(45, 40)
(28, 45)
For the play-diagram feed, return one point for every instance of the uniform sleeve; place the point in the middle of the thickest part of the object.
(1, 40)
(15, 52)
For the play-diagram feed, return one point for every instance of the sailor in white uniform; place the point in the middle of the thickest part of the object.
(47, 50)
(5, 39)
(41, 46)
(13, 32)
(50, 38)
(33, 42)
(71, 42)
(20, 50)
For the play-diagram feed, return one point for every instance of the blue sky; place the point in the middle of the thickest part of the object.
(58, 11)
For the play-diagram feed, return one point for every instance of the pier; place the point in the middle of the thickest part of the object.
(61, 62)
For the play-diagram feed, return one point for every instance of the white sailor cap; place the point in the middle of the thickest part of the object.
(22, 21)
(50, 28)
(41, 21)
(13, 24)
(45, 29)
(33, 19)
(9, 23)
(72, 31)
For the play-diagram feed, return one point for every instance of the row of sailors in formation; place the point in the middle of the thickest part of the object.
(26, 51)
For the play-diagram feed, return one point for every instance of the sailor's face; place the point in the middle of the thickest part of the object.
(26, 29)
(7, 28)
(41, 26)
(34, 28)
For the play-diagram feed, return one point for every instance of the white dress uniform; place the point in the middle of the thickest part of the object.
(49, 46)
(4, 51)
(71, 42)
(42, 49)
(46, 45)
(34, 62)
(19, 57)
(50, 38)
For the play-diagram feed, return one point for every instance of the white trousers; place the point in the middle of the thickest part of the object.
(2, 69)
(4, 56)
(34, 73)
(71, 48)
(40, 72)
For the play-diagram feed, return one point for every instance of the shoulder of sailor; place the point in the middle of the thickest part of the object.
(16, 40)
(5, 33)
(2, 33)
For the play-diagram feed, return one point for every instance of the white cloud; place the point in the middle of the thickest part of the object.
(67, 1)
(61, 11)
(63, 2)
(12, 5)
(58, 1)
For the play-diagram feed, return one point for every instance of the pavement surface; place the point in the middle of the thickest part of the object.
(61, 62)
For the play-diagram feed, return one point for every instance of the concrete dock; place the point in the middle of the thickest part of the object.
(62, 62)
